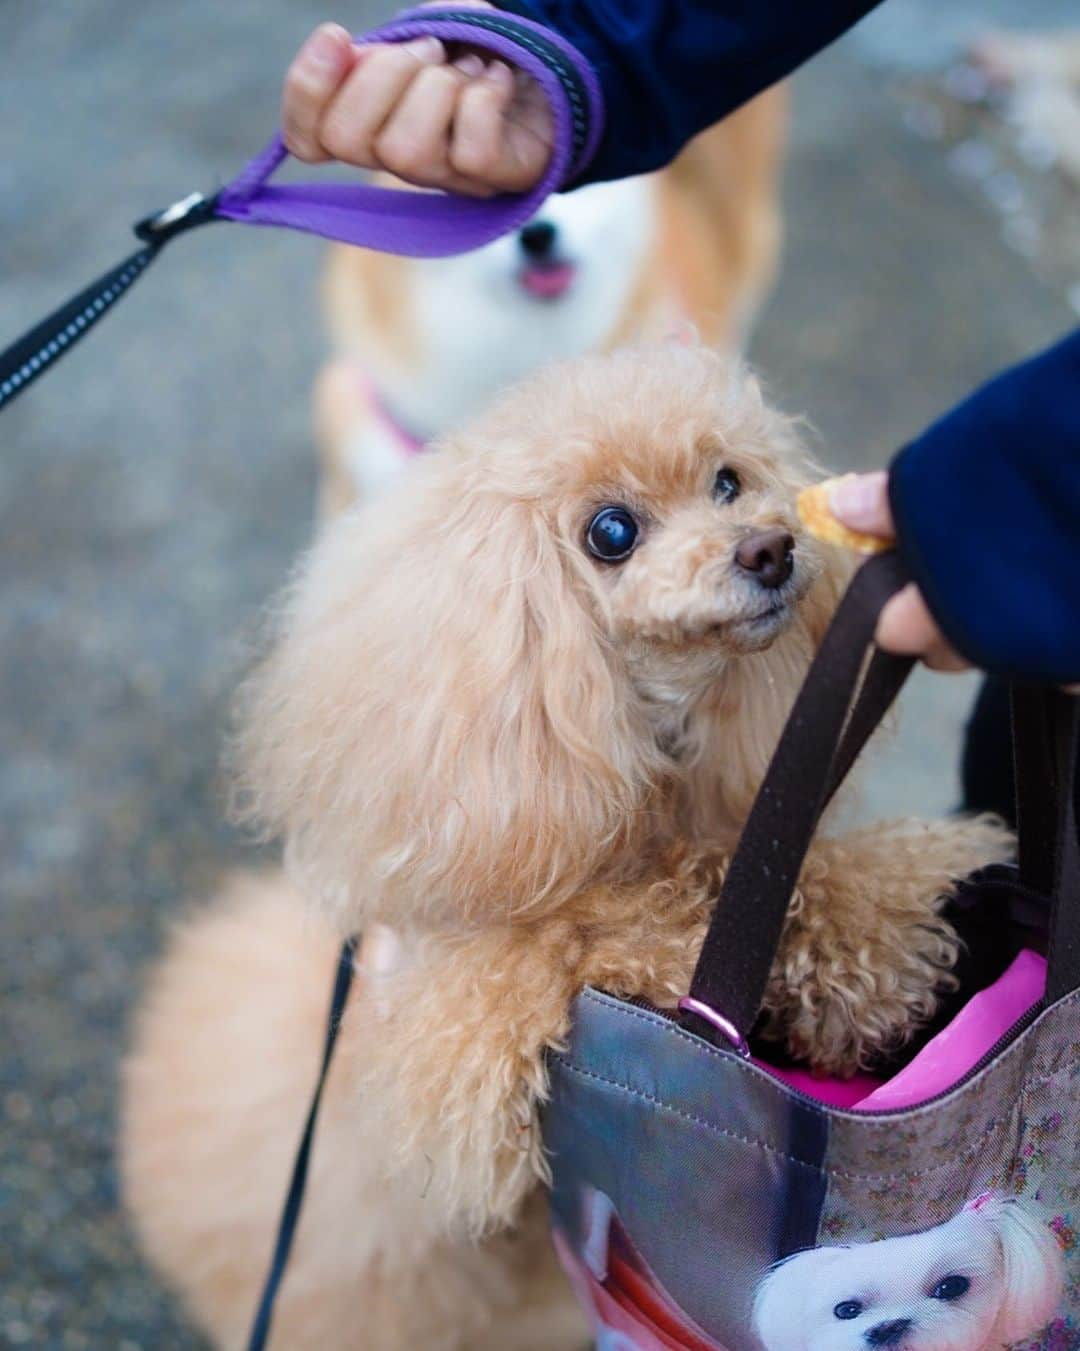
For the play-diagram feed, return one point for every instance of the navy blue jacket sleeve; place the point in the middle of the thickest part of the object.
(987, 509)
(671, 68)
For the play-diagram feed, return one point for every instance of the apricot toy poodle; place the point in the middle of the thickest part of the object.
(510, 723)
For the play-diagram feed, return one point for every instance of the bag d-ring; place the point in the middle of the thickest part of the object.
(739, 1044)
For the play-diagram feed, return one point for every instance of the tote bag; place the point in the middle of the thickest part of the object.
(703, 1201)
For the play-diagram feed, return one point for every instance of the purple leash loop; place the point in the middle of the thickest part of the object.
(421, 225)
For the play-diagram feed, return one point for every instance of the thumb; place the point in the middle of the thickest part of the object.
(861, 502)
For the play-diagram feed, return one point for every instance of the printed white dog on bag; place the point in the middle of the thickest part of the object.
(987, 1278)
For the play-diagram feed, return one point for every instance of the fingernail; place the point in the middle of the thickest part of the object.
(500, 73)
(469, 64)
(428, 50)
(325, 47)
(856, 499)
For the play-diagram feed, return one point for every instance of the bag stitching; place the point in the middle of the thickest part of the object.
(887, 1120)
(788, 1158)
(686, 1116)
(1029, 1086)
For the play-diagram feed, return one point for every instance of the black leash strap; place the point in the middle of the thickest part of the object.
(33, 353)
(294, 1198)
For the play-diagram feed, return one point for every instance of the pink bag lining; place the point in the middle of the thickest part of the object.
(942, 1062)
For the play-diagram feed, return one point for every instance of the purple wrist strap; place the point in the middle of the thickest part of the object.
(425, 225)
(433, 225)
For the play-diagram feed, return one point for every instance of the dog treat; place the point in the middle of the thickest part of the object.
(814, 512)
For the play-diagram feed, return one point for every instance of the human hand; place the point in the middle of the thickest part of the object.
(437, 118)
(906, 626)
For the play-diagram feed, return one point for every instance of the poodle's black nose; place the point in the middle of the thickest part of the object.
(768, 555)
(888, 1334)
(538, 240)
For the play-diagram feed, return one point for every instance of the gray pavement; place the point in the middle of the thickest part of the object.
(154, 489)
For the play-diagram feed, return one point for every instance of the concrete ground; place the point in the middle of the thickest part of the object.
(154, 489)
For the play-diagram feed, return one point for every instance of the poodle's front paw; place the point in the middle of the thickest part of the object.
(867, 955)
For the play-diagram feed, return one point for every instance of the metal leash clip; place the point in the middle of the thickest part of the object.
(194, 209)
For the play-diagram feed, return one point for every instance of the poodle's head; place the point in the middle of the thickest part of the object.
(506, 679)
(989, 1277)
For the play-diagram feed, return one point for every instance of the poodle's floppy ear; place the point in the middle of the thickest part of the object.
(440, 729)
(780, 1303)
(1034, 1278)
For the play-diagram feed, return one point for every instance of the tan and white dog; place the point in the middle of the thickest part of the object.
(420, 346)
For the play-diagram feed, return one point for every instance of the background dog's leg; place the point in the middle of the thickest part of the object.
(720, 208)
(341, 409)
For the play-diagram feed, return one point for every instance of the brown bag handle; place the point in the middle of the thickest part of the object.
(819, 744)
(737, 955)
(1046, 736)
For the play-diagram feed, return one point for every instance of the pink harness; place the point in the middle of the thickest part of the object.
(405, 440)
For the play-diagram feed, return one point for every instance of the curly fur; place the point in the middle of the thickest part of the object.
(533, 766)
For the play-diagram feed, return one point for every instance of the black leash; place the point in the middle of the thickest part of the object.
(294, 1198)
(33, 353)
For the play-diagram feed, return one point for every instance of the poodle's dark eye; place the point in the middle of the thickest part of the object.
(726, 486)
(612, 534)
(952, 1287)
(850, 1308)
